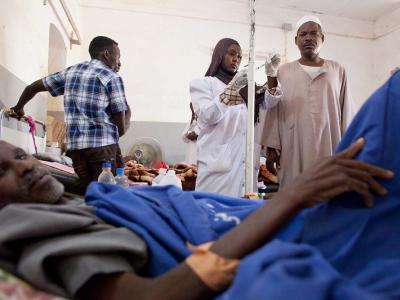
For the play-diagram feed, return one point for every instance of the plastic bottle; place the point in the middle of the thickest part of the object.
(160, 176)
(171, 178)
(106, 176)
(120, 178)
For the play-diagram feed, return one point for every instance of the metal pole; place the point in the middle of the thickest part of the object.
(78, 40)
(250, 105)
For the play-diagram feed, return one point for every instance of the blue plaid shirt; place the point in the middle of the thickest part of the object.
(92, 93)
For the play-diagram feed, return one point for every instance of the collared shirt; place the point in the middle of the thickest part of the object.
(92, 94)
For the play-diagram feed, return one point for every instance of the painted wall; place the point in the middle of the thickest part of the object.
(168, 134)
(24, 44)
(165, 44)
(386, 54)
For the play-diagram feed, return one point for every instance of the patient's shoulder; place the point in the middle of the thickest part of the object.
(72, 199)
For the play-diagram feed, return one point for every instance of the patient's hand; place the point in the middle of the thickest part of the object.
(335, 175)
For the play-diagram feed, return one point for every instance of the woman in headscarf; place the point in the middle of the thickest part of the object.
(220, 103)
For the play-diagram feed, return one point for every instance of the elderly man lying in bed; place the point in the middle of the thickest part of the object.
(64, 248)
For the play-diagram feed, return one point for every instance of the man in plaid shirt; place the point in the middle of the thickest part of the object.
(95, 107)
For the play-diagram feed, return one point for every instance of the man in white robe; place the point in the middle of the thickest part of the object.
(315, 109)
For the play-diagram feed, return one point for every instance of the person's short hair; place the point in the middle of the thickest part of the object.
(99, 44)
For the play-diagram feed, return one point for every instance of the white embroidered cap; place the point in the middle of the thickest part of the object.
(306, 19)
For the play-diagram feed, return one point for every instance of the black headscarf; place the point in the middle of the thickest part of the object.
(216, 69)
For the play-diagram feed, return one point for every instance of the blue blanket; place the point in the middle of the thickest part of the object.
(167, 218)
(339, 251)
(345, 251)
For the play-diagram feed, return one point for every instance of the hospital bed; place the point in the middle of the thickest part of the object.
(16, 132)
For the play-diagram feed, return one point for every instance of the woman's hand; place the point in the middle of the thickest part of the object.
(335, 175)
(231, 96)
(191, 135)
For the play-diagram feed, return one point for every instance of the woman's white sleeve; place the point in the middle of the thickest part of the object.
(207, 107)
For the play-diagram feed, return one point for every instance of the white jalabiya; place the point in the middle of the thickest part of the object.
(311, 118)
(222, 139)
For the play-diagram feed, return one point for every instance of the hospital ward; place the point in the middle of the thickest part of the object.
(192, 150)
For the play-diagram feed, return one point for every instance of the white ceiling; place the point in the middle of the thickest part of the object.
(367, 10)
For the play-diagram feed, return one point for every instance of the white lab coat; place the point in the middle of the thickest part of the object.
(221, 143)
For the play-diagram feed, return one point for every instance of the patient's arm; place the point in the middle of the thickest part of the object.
(327, 179)
(179, 283)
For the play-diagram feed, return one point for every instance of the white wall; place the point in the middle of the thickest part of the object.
(165, 44)
(347, 41)
(386, 54)
(24, 42)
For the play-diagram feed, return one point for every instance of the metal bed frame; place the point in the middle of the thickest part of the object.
(17, 133)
